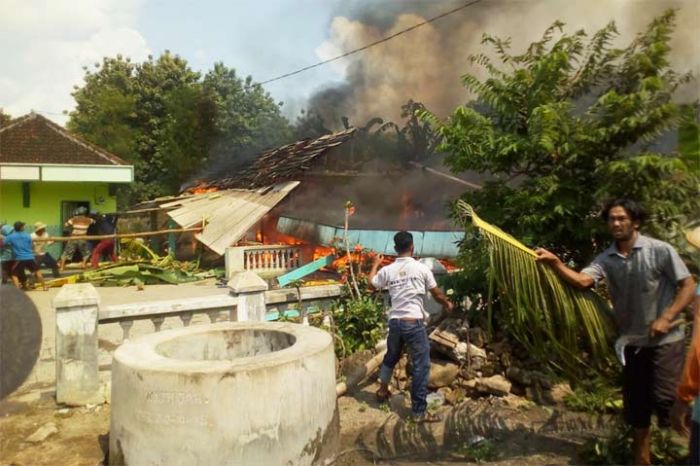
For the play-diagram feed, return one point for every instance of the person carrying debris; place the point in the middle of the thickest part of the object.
(21, 244)
(41, 256)
(649, 286)
(105, 246)
(79, 224)
(407, 280)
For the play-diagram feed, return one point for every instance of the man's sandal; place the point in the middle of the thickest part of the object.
(426, 417)
(383, 395)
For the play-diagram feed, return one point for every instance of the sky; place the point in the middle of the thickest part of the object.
(46, 43)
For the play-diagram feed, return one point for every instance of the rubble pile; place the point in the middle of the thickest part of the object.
(466, 362)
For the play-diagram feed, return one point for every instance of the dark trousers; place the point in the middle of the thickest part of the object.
(649, 381)
(47, 260)
(413, 335)
(7, 266)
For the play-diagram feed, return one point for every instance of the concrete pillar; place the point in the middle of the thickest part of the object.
(77, 379)
(250, 290)
(234, 260)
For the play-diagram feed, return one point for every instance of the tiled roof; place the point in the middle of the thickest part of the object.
(35, 139)
(284, 163)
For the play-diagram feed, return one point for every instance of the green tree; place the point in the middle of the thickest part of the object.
(137, 111)
(571, 122)
(417, 140)
(247, 119)
(309, 124)
(5, 118)
(105, 112)
(170, 122)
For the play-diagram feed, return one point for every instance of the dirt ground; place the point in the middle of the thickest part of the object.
(495, 431)
(512, 433)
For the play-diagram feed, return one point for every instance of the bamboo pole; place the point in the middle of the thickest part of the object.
(371, 366)
(117, 235)
(447, 176)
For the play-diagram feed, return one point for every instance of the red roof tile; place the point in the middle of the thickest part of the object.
(35, 139)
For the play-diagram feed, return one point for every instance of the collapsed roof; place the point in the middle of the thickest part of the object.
(284, 163)
(240, 201)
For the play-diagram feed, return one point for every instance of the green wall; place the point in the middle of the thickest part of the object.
(45, 199)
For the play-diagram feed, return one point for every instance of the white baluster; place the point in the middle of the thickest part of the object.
(157, 322)
(186, 319)
(126, 328)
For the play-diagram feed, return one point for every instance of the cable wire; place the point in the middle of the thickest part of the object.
(380, 41)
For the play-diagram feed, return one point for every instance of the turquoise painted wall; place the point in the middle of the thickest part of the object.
(45, 198)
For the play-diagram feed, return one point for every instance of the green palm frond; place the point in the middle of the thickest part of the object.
(569, 328)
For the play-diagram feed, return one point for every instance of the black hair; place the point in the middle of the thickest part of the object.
(633, 209)
(403, 241)
(19, 226)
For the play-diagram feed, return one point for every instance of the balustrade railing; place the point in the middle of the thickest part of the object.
(279, 258)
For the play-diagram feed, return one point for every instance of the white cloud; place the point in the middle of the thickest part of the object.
(45, 44)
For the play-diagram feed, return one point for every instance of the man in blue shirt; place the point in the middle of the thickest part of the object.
(6, 259)
(21, 244)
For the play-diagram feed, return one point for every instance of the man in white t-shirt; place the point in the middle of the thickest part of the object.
(407, 281)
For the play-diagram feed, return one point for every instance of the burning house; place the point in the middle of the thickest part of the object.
(285, 209)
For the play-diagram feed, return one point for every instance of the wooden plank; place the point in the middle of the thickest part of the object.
(305, 270)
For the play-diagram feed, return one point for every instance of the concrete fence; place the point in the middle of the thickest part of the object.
(78, 315)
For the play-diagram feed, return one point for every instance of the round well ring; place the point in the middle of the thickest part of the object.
(228, 393)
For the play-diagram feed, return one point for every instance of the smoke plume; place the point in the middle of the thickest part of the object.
(426, 64)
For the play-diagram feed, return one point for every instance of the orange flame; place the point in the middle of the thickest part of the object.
(202, 188)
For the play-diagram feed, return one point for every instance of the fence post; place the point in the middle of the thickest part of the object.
(234, 260)
(77, 377)
(250, 289)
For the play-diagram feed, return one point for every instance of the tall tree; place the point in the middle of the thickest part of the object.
(170, 122)
(248, 119)
(106, 107)
(565, 125)
(5, 118)
(133, 110)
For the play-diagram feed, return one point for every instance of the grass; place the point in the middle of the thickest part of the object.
(616, 448)
(595, 396)
(478, 452)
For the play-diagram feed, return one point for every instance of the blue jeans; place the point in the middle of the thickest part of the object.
(414, 336)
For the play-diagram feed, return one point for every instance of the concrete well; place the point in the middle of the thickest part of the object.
(224, 394)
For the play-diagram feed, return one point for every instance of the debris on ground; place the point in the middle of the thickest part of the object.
(470, 363)
(138, 265)
(43, 433)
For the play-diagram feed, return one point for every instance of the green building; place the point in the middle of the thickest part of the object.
(46, 173)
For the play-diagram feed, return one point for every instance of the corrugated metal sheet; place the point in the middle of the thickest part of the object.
(441, 244)
(229, 214)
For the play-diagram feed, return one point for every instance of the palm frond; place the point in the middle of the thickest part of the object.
(568, 328)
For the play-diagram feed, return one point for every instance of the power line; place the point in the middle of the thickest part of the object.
(380, 41)
(45, 112)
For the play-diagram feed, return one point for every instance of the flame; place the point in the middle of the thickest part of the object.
(410, 212)
(203, 188)
(360, 258)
